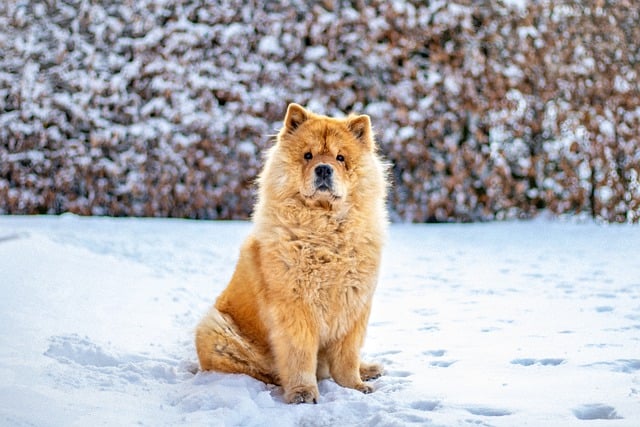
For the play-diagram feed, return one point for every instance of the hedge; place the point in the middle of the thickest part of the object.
(486, 110)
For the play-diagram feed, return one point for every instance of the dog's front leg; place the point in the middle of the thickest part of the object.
(294, 341)
(344, 359)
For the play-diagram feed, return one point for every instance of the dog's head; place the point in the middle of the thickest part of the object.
(319, 158)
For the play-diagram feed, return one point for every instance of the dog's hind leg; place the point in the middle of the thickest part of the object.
(222, 348)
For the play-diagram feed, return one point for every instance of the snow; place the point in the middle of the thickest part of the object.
(315, 53)
(514, 323)
(517, 4)
(270, 45)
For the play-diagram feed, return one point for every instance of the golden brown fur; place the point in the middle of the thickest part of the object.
(297, 306)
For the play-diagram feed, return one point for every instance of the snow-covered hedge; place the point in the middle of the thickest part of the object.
(163, 107)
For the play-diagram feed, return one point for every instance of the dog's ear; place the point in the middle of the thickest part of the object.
(360, 127)
(296, 115)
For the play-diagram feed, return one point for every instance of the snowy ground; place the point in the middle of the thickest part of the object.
(505, 324)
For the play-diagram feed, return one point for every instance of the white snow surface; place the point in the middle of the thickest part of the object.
(502, 324)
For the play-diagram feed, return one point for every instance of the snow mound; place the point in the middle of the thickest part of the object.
(75, 349)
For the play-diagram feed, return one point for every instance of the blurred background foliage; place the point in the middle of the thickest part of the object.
(486, 110)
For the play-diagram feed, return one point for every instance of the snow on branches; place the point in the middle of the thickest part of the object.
(162, 107)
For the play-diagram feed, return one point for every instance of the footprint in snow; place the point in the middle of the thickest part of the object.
(443, 363)
(438, 363)
(626, 366)
(435, 353)
(596, 411)
(487, 411)
(542, 362)
(426, 405)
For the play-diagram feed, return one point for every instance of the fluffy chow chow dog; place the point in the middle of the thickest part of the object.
(297, 306)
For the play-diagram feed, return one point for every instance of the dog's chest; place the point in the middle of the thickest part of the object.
(336, 280)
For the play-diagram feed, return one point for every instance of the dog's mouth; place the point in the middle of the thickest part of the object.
(324, 186)
(322, 191)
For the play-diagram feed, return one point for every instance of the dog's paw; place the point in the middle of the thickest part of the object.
(302, 394)
(365, 388)
(370, 371)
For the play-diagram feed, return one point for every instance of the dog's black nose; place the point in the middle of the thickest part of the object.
(324, 171)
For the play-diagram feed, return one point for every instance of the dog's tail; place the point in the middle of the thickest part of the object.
(222, 348)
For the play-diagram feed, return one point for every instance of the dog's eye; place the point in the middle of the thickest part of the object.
(308, 155)
(340, 158)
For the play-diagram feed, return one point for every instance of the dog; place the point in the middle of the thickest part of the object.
(297, 306)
